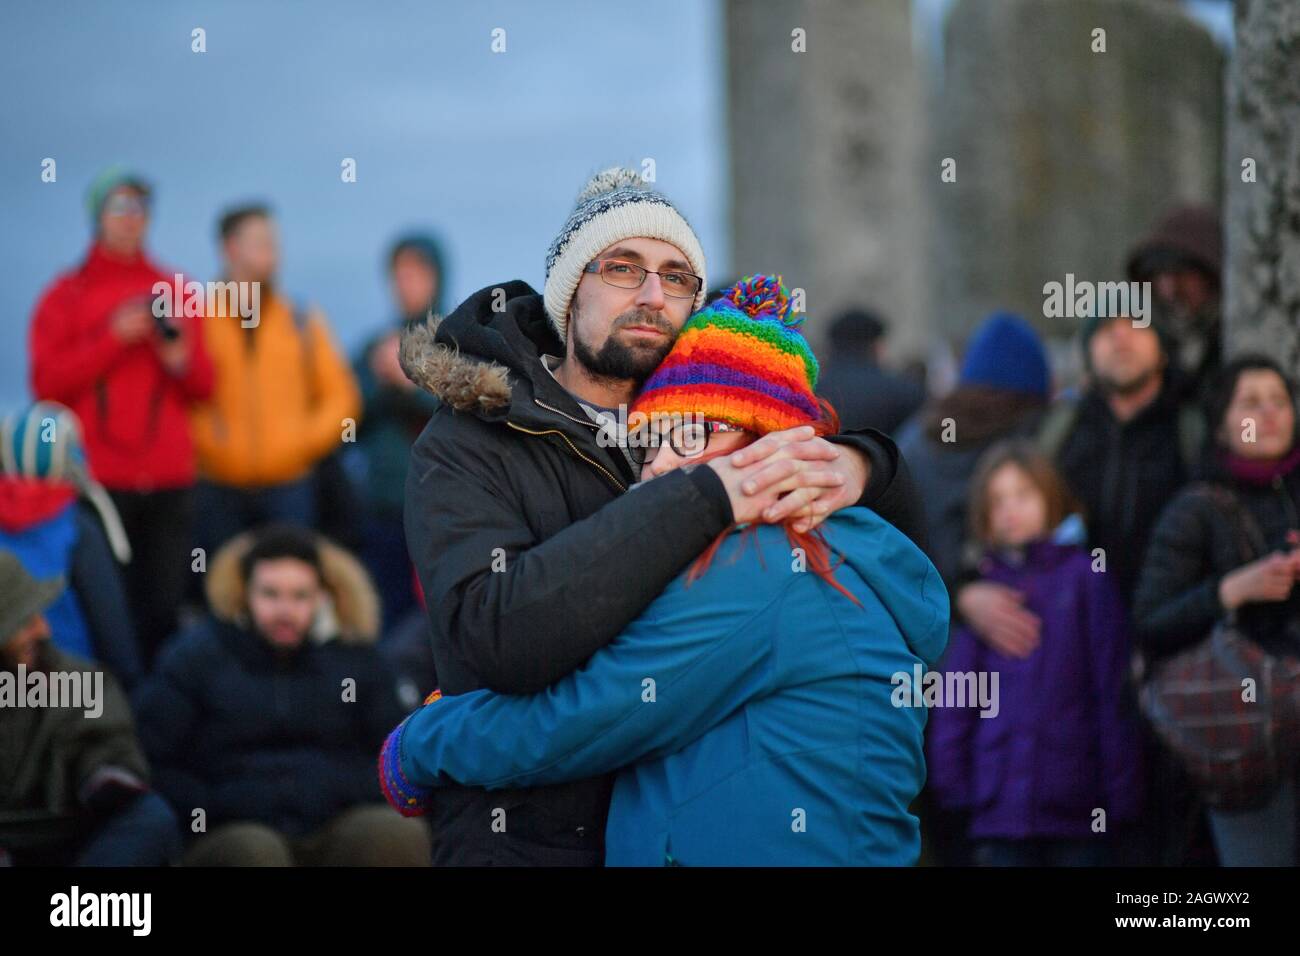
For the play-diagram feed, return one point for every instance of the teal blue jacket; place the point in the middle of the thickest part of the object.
(751, 711)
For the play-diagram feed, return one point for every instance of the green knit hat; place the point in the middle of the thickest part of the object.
(103, 185)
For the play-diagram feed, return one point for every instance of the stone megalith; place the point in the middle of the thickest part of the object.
(1072, 125)
(826, 123)
(1262, 183)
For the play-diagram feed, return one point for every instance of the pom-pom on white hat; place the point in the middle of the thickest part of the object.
(615, 204)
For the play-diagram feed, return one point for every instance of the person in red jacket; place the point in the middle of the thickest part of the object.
(97, 348)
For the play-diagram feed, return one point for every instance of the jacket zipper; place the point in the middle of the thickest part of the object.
(573, 448)
(588, 422)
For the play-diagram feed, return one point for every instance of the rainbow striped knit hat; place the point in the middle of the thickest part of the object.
(742, 360)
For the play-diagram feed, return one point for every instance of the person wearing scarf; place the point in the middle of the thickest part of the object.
(1194, 575)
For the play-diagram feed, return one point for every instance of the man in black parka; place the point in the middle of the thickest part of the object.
(529, 554)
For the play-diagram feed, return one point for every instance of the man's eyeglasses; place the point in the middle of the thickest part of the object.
(124, 205)
(686, 439)
(629, 275)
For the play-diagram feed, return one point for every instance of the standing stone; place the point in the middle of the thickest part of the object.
(826, 155)
(1262, 298)
(1065, 156)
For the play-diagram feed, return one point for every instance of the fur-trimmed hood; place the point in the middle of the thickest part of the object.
(466, 383)
(351, 615)
(473, 359)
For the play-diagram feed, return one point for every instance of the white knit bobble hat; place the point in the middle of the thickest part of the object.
(615, 204)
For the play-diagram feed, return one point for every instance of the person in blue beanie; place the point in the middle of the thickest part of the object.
(1002, 392)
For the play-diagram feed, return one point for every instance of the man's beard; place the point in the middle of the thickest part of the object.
(1196, 333)
(617, 361)
(1130, 386)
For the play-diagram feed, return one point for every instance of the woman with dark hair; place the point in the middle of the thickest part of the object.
(1195, 576)
(752, 705)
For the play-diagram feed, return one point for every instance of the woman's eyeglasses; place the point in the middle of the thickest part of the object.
(629, 275)
(687, 440)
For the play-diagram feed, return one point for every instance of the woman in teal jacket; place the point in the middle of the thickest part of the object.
(751, 705)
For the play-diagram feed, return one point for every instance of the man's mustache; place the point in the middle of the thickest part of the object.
(651, 319)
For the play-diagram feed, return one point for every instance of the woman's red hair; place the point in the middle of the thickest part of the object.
(813, 543)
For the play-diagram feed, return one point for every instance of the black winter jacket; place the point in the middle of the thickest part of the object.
(251, 735)
(1123, 473)
(532, 558)
(1195, 544)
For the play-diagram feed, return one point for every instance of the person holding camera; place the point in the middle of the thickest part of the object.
(98, 347)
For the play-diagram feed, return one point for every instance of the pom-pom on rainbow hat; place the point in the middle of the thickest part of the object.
(741, 360)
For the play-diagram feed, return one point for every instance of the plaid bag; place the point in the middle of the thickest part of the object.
(1236, 746)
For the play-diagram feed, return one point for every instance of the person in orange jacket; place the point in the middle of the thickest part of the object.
(97, 347)
(285, 396)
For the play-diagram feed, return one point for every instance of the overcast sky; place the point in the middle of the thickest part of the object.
(488, 149)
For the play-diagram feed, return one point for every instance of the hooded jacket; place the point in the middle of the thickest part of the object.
(392, 420)
(1064, 738)
(393, 417)
(754, 707)
(530, 556)
(248, 735)
(137, 432)
(55, 534)
(283, 393)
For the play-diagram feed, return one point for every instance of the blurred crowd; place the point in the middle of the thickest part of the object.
(217, 527)
(209, 510)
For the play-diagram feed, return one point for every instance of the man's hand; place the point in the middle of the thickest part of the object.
(791, 473)
(131, 322)
(995, 612)
(385, 366)
(174, 353)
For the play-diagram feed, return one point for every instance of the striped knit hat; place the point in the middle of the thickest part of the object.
(741, 360)
(615, 204)
(44, 443)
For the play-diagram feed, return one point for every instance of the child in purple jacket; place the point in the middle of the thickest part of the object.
(1050, 772)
